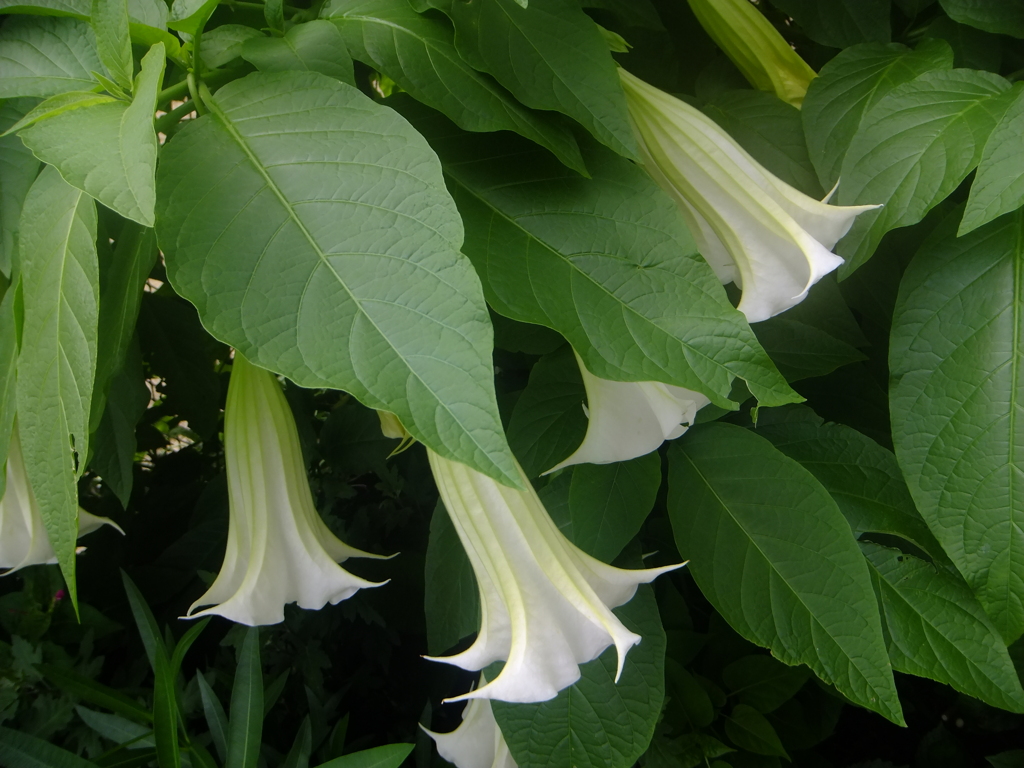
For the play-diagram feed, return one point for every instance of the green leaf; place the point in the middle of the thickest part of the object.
(21, 750)
(840, 23)
(223, 44)
(18, 169)
(608, 503)
(418, 53)
(109, 150)
(763, 682)
(144, 622)
(151, 13)
(190, 16)
(273, 12)
(59, 104)
(936, 628)
(849, 86)
(216, 718)
(913, 149)
(42, 56)
(607, 262)
(8, 376)
(298, 755)
(60, 278)
(1003, 17)
(770, 130)
(313, 195)
(86, 689)
(316, 46)
(1010, 759)
(998, 187)
(861, 476)
(972, 48)
(451, 601)
(245, 728)
(165, 712)
(548, 422)
(596, 722)
(388, 756)
(116, 728)
(748, 729)
(772, 552)
(570, 67)
(957, 360)
(113, 43)
(77, 8)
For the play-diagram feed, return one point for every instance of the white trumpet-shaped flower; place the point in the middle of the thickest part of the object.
(23, 539)
(755, 47)
(772, 240)
(628, 419)
(477, 742)
(545, 605)
(279, 550)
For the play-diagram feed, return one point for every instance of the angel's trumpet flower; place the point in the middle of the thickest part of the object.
(772, 240)
(545, 605)
(755, 47)
(279, 550)
(477, 742)
(628, 419)
(23, 539)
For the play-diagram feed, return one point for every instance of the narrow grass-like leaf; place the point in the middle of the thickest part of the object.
(298, 755)
(21, 750)
(95, 693)
(165, 713)
(144, 621)
(118, 729)
(216, 717)
(245, 726)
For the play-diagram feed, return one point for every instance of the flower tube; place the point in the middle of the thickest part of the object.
(545, 605)
(477, 742)
(755, 47)
(279, 550)
(23, 539)
(772, 240)
(628, 419)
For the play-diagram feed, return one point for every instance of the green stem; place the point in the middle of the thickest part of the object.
(194, 87)
(172, 92)
(166, 122)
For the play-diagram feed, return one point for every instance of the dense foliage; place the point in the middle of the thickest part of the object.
(519, 290)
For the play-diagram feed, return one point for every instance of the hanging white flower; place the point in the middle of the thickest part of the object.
(477, 742)
(279, 550)
(628, 419)
(23, 539)
(755, 230)
(545, 604)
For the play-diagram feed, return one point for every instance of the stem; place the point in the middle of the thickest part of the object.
(166, 122)
(194, 87)
(172, 92)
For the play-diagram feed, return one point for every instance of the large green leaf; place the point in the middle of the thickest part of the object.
(42, 56)
(60, 276)
(606, 261)
(78, 8)
(108, 150)
(388, 756)
(772, 552)
(998, 187)
(849, 86)
(418, 53)
(110, 23)
(840, 23)
(316, 46)
(913, 149)
(596, 722)
(18, 169)
(551, 55)
(311, 228)
(957, 362)
(1004, 17)
(862, 477)
(451, 602)
(936, 628)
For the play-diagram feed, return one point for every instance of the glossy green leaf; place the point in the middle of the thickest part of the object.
(216, 717)
(570, 67)
(60, 274)
(245, 726)
(607, 262)
(772, 552)
(913, 149)
(451, 601)
(418, 53)
(762, 682)
(771, 131)
(223, 43)
(957, 360)
(849, 86)
(548, 422)
(936, 628)
(862, 477)
(840, 23)
(998, 187)
(42, 56)
(326, 218)
(110, 24)
(108, 150)
(316, 46)
(388, 756)
(1003, 17)
(596, 722)
(608, 503)
(22, 750)
(18, 169)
